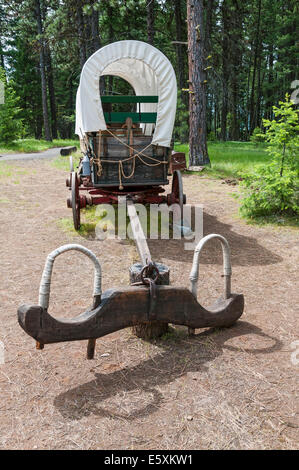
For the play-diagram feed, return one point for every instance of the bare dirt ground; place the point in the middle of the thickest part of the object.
(223, 389)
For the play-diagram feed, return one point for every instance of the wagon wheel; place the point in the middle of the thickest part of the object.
(75, 200)
(177, 189)
(177, 193)
(71, 164)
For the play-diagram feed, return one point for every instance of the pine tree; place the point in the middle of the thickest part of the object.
(198, 151)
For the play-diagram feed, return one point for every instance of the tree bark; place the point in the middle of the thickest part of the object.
(150, 21)
(236, 58)
(179, 47)
(95, 39)
(1, 57)
(81, 35)
(253, 115)
(198, 151)
(95, 33)
(42, 71)
(51, 89)
(110, 12)
(269, 111)
(225, 69)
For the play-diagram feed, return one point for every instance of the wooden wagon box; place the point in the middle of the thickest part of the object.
(144, 170)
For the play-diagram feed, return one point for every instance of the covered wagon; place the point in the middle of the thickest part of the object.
(125, 153)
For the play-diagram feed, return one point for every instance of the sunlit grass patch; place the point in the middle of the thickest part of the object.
(231, 159)
(86, 230)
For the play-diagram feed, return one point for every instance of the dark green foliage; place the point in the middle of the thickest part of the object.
(10, 122)
(257, 136)
(181, 127)
(251, 56)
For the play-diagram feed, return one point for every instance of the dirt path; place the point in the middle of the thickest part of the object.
(222, 389)
(46, 154)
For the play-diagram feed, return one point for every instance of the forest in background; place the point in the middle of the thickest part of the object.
(250, 48)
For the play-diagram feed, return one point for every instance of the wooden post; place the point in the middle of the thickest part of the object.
(152, 329)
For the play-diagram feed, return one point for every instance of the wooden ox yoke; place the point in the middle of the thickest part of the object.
(123, 307)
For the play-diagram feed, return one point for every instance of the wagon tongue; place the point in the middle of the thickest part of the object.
(138, 234)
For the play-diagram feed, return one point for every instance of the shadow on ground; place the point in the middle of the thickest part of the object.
(245, 251)
(179, 355)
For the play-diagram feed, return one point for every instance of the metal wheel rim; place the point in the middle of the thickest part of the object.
(75, 201)
(177, 188)
(71, 164)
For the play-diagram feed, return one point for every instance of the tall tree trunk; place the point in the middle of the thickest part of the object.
(81, 35)
(209, 6)
(236, 59)
(42, 71)
(253, 115)
(1, 57)
(95, 39)
(110, 12)
(259, 89)
(95, 33)
(198, 151)
(269, 112)
(150, 21)
(51, 89)
(225, 68)
(179, 38)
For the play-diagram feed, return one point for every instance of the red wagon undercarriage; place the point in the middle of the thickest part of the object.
(83, 193)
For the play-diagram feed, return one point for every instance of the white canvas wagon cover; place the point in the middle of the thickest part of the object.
(147, 70)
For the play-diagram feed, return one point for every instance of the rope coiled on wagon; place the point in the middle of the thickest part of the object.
(121, 174)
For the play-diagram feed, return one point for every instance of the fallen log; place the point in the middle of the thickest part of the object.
(67, 151)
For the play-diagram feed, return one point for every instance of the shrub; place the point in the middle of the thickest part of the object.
(267, 193)
(274, 188)
(257, 136)
(212, 137)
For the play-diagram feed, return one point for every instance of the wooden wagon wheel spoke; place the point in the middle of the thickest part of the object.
(75, 200)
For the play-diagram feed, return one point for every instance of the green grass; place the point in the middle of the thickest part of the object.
(86, 230)
(33, 145)
(63, 163)
(89, 220)
(277, 220)
(231, 159)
